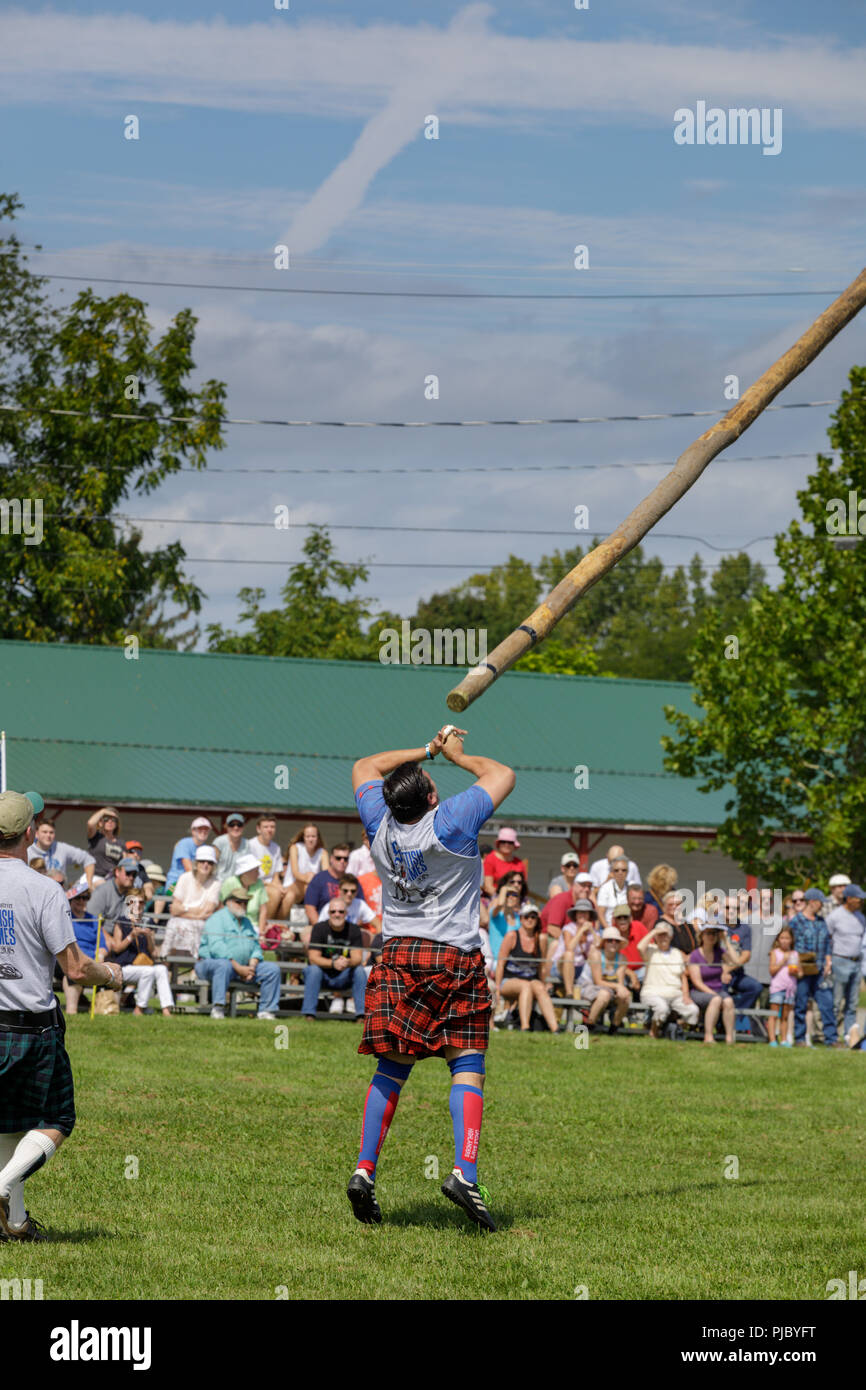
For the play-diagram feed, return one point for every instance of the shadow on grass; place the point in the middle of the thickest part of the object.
(58, 1237)
(442, 1216)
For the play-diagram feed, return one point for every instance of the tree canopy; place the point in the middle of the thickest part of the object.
(89, 578)
(784, 705)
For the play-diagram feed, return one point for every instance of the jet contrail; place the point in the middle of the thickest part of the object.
(387, 133)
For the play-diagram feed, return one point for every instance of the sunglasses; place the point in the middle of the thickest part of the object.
(339, 856)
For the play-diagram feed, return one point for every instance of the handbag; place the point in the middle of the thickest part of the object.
(106, 1002)
(808, 964)
(142, 959)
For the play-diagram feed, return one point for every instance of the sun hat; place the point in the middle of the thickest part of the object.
(611, 934)
(155, 872)
(208, 853)
(510, 835)
(245, 862)
(838, 880)
(582, 905)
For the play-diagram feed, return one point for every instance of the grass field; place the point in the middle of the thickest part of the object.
(605, 1166)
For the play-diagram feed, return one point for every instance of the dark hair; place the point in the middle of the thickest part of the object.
(350, 878)
(405, 791)
(266, 815)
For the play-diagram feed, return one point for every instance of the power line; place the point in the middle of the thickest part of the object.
(469, 468)
(364, 526)
(140, 419)
(381, 564)
(447, 294)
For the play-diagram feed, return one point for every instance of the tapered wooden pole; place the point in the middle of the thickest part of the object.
(686, 471)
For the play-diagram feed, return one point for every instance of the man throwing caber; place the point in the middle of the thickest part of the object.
(428, 994)
(37, 1102)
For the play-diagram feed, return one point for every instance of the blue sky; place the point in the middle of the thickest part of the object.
(556, 128)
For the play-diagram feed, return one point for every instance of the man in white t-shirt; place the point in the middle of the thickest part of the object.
(37, 1094)
(229, 846)
(602, 869)
(265, 848)
(614, 892)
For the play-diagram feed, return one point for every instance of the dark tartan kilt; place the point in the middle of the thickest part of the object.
(36, 1087)
(423, 996)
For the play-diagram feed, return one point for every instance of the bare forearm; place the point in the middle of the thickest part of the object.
(380, 764)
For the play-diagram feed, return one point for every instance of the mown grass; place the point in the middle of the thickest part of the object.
(606, 1169)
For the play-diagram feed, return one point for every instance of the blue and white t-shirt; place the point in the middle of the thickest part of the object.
(35, 923)
(431, 871)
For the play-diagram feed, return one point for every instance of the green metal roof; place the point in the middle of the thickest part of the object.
(85, 724)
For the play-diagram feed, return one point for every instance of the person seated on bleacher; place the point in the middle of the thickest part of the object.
(665, 988)
(132, 947)
(195, 898)
(569, 866)
(709, 977)
(335, 955)
(521, 970)
(357, 910)
(155, 875)
(84, 925)
(568, 953)
(229, 950)
(602, 979)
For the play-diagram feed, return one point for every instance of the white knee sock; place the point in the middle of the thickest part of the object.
(32, 1150)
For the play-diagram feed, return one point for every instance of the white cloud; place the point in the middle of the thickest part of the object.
(347, 70)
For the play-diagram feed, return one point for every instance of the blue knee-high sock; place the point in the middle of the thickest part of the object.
(379, 1106)
(466, 1104)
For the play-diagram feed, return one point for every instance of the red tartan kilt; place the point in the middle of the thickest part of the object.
(423, 996)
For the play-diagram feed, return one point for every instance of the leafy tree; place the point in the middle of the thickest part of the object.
(783, 722)
(87, 580)
(313, 621)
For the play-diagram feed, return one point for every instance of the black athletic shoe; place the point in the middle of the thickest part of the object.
(30, 1231)
(361, 1192)
(471, 1198)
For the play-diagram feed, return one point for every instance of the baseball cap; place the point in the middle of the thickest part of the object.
(852, 891)
(814, 895)
(201, 821)
(208, 853)
(17, 810)
(838, 880)
(133, 844)
(611, 934)
(569, 858)
(621, 910)
(583, 877)
(509, 835)
(235, 818)
(79, 886)
(237, 892)
(155, 872)
(582, 905)
(245, 862)
(129, 864)
(528, 908)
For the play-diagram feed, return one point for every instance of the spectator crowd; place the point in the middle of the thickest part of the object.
(598, 937)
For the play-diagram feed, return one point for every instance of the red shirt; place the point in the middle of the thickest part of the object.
(640, 927)
(555, 912)
(497, 868)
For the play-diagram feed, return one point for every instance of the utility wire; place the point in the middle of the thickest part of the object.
(394, 424)
(446, 294)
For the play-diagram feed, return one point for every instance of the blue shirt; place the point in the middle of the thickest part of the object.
(184, 849)
(227, 937)
(85, 933)
(496, 931)
(741, 936)
(811, 936)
